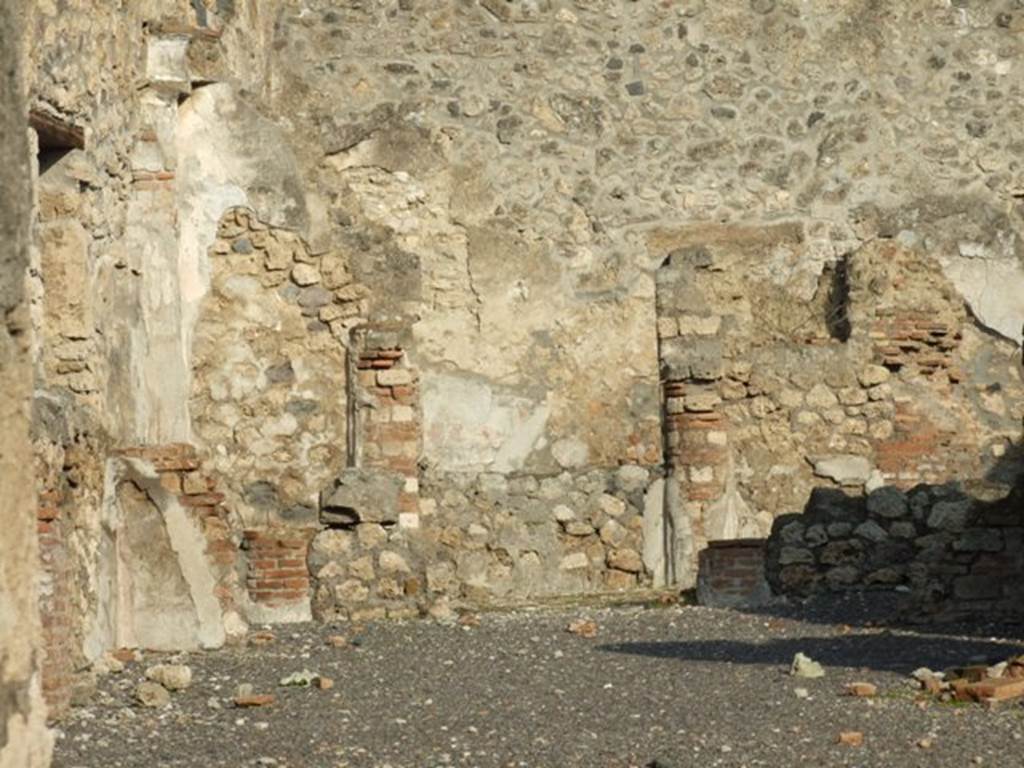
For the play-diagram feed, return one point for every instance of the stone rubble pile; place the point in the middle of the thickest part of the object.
(987, 684)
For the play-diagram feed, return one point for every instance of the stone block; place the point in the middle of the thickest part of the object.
(792, 533)
(871, 531)
(394, 377)
(979, 540)
(694, 359)
(167, 63)
(849, 552)
(362, 495)
(950, 515)
(574, 562)
(816, 535)
(887, 502)
(64, 256)
(845, 469)
(873, 375)
(628, 560)
(795, 555)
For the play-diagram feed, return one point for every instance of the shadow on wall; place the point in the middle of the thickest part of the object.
(948, 555)
(940, 554)
(1008, 469)
(883, 652)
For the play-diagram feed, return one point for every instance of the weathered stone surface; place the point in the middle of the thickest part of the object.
(628, 560)
(355, 496)
(523, 290)
(842, 552)
(950, 515)
(887, 502)
(844, 469)
(939, 550)
(153, 695)
(793, 555)
(392, 562)
(871, 531)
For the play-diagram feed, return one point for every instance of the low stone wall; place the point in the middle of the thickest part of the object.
(490, 538)
(958, 550)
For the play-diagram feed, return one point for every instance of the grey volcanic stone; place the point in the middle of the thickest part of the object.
(950, 515)
(979, 540)
(871, 531)
(887, 502)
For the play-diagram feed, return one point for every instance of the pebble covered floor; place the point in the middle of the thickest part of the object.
(657, 686)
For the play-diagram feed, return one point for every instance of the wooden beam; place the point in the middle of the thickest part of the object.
(55, 133)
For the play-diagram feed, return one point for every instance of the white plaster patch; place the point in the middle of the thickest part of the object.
(994, 289)
(167, 62)
(466, 425)
(654, 542)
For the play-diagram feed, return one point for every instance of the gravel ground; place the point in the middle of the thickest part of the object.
(659, 687)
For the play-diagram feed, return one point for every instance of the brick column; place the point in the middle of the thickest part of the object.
(387, 423)
(54, 605)
(690, 354)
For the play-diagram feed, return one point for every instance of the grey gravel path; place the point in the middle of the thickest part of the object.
(669, 686)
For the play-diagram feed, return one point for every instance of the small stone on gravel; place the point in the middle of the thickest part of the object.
(254, 700)
(173, 677)
(851, 738)
(583, 628)
(153, 695)
(805, 666)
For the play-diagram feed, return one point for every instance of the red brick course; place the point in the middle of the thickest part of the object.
(55, 605)
(277, 573)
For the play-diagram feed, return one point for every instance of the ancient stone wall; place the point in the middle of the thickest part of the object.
(957, 552)
(24, 740)
(446, 303)
(109, 281)
(766, 400)
(491, 539)
(553, 244)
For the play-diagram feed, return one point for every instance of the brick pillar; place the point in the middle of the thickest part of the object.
(691, 344)
(388, 424)
(697, 459)
(54, 605)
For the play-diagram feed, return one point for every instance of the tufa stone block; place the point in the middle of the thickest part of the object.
(362, 496)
